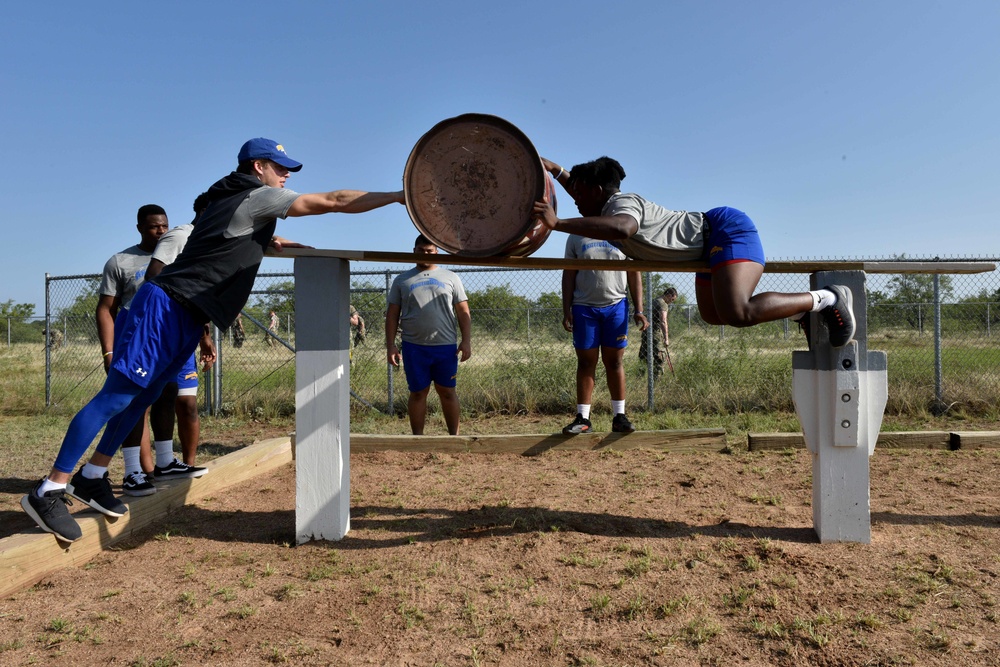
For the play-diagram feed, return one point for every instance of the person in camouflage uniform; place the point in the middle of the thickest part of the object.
(661, 332)
(358, 331)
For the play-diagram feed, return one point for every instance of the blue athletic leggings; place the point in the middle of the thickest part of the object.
(120, 404)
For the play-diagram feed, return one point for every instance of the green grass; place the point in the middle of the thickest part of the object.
(730, 372)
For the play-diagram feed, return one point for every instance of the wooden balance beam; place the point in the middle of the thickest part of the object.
(552, 263)
(322, 382)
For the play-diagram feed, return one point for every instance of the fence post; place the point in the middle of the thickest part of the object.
(649, 343)
(937, 340)
(48, 344)
(217, 376)
(388, 366)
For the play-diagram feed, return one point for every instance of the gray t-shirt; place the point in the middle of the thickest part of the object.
(596, 288)
(672, 236)
(427, 300)
(261, 206)
(171, 243)
(124, 274)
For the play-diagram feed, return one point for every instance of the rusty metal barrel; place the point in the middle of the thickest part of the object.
(470, 185)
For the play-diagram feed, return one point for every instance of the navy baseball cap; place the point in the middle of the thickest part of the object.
(267, 149)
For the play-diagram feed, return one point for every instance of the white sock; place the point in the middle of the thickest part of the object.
(822, 298)
(131, 457)
(164, 452)
(618, 407)
(48, 485)
(90, 471)
(583, 409)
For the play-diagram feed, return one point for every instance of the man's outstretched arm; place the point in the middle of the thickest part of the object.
(343, 201)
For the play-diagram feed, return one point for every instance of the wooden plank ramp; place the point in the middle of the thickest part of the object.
(889, 440)
(28, 557)
(693, 440)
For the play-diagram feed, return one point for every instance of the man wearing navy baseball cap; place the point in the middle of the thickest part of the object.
(208, 282)
(267, 149)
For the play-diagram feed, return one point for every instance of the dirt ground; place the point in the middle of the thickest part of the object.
(568, 558)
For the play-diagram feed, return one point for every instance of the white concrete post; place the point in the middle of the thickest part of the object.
(322, 399)
(840, 398)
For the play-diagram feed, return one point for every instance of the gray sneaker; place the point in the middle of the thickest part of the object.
(97, 493)
(51, 515)
(840, 316)
(578, 426)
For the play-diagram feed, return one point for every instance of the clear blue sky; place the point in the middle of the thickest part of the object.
(848, 129)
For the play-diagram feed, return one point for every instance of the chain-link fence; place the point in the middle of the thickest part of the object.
(937, 330)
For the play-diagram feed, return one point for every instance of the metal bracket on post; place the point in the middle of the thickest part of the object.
(840, 397)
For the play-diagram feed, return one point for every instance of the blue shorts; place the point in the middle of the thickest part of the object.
(157, 335)
(425, 363)
(187, 379)
(600, 327)
(732, 238)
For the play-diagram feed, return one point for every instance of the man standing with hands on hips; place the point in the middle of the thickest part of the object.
(431, 306)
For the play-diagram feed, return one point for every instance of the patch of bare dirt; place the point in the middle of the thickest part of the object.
(569, 558)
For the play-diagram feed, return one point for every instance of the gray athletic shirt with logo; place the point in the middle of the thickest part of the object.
(124, 273)
(427, 300)
(598, 289)
(672, 236)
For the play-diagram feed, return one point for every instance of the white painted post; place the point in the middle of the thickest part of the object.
(840, 398)
(322, 399)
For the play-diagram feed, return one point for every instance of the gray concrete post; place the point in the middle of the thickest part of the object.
(322, 399)
(840, 398)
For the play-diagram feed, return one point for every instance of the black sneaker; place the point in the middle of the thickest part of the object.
(840, 316)
(97, 493)
(579, 425)
(178, 470)
(137, 484)
(51, 515)
(621, 424)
